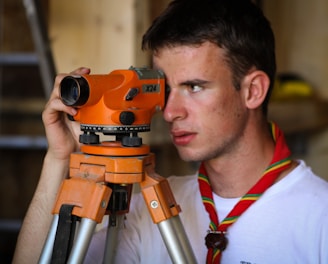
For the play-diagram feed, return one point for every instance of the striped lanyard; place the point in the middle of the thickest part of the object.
(216, 241)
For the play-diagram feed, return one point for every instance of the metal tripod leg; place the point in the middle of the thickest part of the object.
(173, 234)
(79, 192)
(45, 257)
(176, 241)
(82, 241)
(79, 250)
(111, 240)
(165, 213)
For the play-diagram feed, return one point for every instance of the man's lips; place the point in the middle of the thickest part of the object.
(182, 138)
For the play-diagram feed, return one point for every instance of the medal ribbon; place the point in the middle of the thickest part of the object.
(281, 161)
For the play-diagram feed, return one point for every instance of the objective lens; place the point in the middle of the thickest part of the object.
(74, 91)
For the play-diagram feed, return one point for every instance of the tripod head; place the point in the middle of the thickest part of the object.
(120, 103)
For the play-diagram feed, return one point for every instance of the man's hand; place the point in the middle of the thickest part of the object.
(62, 134)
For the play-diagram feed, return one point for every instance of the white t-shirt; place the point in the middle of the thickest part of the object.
(288, 224)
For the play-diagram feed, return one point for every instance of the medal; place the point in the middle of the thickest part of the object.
(216, 240)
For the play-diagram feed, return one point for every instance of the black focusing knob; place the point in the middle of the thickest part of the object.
(89, 138)
(131, 141)
(127, 118)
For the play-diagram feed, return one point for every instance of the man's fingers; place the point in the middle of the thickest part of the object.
(81, 70)
(53, 110)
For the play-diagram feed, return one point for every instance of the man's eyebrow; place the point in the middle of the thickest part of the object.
(194, 82)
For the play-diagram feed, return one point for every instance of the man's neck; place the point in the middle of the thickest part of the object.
(233, 174)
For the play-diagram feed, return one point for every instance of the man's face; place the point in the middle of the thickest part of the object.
(206, 114)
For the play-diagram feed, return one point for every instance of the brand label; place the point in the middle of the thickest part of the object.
(151, 88)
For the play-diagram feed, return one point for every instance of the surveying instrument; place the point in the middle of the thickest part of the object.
(120, 105)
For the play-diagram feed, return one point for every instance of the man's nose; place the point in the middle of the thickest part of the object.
(174, 108)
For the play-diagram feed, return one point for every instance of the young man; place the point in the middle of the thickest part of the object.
(259, 205)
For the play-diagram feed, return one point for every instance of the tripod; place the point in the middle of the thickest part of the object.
(100, 182)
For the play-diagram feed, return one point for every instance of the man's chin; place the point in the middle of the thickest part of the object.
(188, 157)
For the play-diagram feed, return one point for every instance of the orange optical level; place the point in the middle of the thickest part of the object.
(122, 101)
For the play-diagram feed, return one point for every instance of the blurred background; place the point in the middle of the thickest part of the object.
(41, 38)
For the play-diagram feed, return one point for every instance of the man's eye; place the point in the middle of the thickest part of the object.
(195, 88)
(167, 92)
(167, 89)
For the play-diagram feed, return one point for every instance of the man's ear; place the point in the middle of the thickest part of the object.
(255, 86)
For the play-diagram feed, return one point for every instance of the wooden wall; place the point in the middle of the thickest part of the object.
(21, 103)
(301, 29)
(301, 38)
(102, 36)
